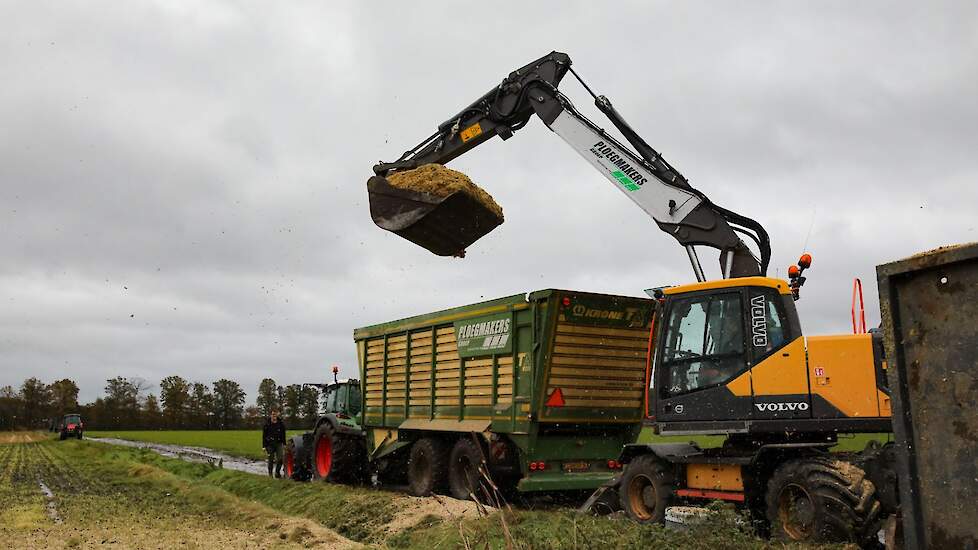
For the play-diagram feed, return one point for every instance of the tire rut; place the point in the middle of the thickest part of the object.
(52, 506)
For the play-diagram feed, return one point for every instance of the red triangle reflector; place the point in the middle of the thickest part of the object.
(556, 399)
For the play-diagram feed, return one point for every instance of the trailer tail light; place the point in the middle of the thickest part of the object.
(614, 465)
(538, 466)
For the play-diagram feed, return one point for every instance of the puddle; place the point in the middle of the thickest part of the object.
(194, 454)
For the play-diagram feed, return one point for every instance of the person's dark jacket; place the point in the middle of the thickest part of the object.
(273, 433)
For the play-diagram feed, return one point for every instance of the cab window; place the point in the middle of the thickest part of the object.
(354, 400)
(340, 392)
(704, 343)
(331, 398)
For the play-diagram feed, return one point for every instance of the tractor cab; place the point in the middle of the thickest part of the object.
(71, 426)
(342, 398)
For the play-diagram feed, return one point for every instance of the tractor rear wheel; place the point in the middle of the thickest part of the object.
(822, 499)
(427, 467)
(467, 474)
(645, 488)
(336, 458)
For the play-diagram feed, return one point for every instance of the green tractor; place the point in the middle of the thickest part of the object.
(334, 448)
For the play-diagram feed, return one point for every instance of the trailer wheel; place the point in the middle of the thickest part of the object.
(427, 467)
(466, 472)
(79, 436)
(336, 458)
(63, 436)
(822, 499)
(645, 489)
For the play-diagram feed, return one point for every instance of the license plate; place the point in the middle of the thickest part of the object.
(577, 466)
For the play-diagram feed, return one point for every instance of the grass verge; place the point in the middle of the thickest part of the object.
(356, 513)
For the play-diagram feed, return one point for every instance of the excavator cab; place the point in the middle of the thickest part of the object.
(445, 226)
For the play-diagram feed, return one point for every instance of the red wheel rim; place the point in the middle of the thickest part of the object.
(324, 456)
(289, 464)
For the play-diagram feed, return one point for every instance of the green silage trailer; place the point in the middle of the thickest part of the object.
(542, 389)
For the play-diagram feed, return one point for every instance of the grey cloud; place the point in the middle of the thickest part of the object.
(212, 159)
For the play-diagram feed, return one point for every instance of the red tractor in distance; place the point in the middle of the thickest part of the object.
(72, 426)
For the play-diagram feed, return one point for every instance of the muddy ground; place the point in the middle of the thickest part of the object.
(87, 494)
(56, 495)
(193, 454)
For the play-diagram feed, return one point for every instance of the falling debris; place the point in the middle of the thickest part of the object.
(441, 181)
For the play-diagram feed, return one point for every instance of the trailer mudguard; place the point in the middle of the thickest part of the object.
(346, 426)
(669, 452)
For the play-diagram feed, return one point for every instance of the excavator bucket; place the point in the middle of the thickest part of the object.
(444, 225)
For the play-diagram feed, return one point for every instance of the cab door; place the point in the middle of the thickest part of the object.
(702, 348)
(779, 372)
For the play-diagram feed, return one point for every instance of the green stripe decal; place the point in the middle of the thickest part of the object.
(625, 181)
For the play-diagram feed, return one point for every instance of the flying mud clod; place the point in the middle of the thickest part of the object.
(437, 208)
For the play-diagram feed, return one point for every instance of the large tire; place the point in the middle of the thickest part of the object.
(297, 463)
(467, 472)
(336, 458)
(427, 467)
(646, 487)
(79, 436)
(822, 499)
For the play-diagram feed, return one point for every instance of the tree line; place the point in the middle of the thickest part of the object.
(127, 404)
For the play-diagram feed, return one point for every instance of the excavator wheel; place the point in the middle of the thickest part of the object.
(445, 226)
(645, 488)
(823, 500)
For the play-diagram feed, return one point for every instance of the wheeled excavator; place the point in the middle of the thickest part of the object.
(727, 356)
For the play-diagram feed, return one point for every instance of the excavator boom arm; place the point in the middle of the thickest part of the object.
(501, 111)
(644, 177)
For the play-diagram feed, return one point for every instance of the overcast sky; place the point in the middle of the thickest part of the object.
(182, 184)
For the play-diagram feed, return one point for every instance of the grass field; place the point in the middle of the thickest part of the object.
(245, 443)
(134, 498)
(102, 497)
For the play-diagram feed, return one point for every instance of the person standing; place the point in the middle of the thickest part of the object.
(273, 440)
